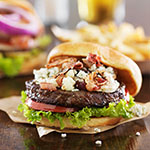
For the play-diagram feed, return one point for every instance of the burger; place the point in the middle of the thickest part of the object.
(22, 38)
(83, 85)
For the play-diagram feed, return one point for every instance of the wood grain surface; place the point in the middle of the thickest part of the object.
(15, 136)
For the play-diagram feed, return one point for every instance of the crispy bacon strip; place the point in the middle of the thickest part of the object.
(92, 59)
(64, 63)
(78, 65)
(94, 81)
(48, 86)
(90, 85)
(22, 42)
(87, 63)
(59, 79)
(98, 61)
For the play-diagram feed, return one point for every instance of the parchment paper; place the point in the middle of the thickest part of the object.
(10, 104)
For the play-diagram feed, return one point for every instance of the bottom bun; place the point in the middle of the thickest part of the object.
(93, 122)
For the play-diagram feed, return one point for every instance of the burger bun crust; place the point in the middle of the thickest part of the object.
(93, 122)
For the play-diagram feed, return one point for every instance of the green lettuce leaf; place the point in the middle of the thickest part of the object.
(79, 118)
(11, 66)
(44, 40)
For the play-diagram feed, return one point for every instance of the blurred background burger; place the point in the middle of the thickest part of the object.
(22, 38)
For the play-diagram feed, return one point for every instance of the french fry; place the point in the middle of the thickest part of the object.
(124, 38)
(142, 47)
(66, 35)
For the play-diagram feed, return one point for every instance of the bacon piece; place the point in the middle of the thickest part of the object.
(87, 63)
(55, 63)
(91, 86)
(22, 42)
(78, 65)
(98, 61)
(92, 59)
(65, 63)
(59, 79)
(100, 80)
(94, 81)
(48, 86)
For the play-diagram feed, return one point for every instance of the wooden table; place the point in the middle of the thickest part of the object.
(15, 136)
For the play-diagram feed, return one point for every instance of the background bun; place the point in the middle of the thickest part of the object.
(20, 3)
(128, 71)
(28, 7)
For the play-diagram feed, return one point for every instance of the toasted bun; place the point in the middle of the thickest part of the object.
(20, 3)
(30, 64)
(93, 122)
(28, 7)
(128, 71)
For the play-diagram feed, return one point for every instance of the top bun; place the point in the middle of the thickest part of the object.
(128, 71)
(24, 4)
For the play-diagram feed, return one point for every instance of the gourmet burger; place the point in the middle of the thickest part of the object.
(82, 85)
(22, 38)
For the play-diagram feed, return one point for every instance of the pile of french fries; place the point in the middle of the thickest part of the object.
(124, 38)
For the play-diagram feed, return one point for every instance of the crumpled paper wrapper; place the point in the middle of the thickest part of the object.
(10, 104)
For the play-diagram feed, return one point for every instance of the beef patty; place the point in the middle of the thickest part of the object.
(77, 99)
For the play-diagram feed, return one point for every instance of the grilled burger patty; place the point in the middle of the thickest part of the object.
(78, 99)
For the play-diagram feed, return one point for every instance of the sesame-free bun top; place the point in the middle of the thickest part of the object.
(128, 71)
(24, 4)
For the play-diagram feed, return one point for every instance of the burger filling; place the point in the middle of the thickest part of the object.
(71, 74)
(73, 99)
(11, 61)
(75, 88)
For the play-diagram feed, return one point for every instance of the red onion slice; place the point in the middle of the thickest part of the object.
(13, 17)
(15, 27)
